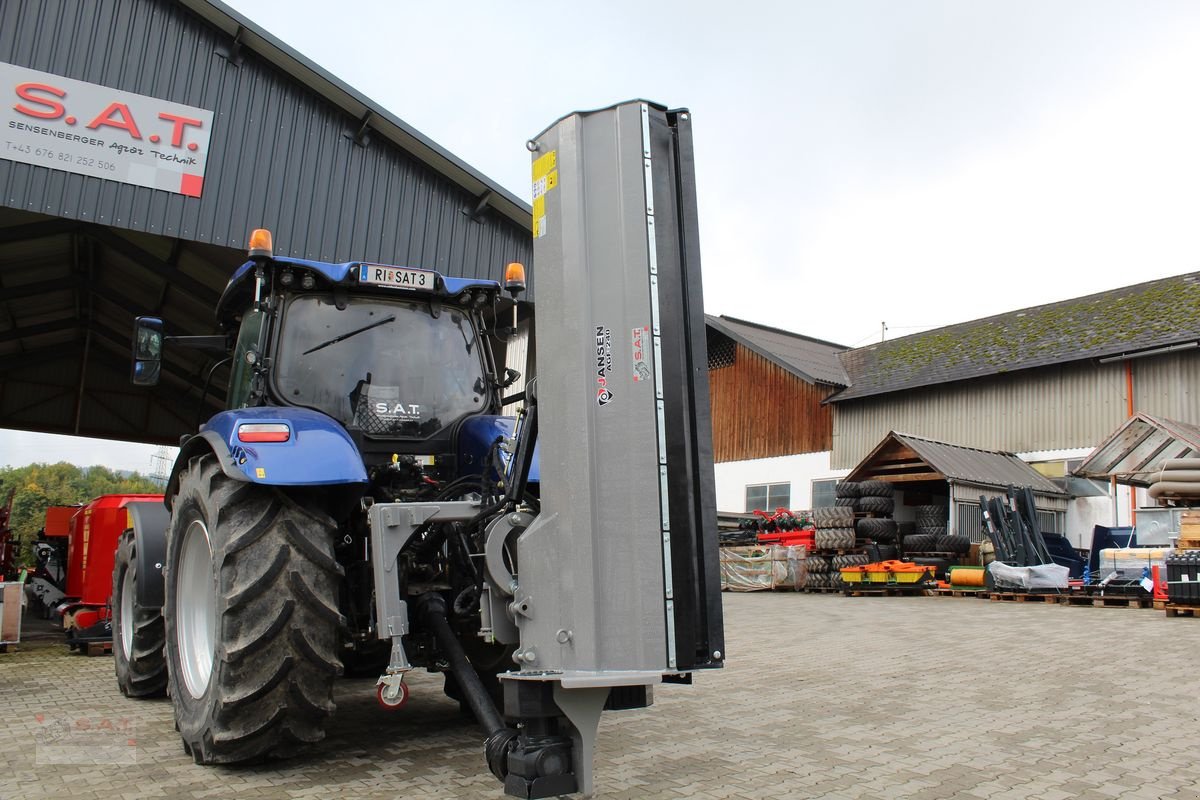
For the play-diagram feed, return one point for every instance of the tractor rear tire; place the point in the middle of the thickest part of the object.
(253, 626)
(138, 635)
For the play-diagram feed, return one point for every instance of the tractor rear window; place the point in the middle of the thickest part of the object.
(386, 367)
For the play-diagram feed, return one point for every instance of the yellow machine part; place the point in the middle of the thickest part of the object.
(967, 576)
(885, 572)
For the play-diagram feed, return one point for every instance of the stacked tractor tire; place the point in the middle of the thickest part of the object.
(847, 541)
(930, 534)
(835, 531)
(877, 532)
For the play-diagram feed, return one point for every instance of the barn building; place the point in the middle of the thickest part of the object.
(144, 140)
(771, 422)
(1047, 383)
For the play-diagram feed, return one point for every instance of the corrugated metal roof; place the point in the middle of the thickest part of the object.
(983, 467)
(1134, 319)
(811, 359)
(1138, 448)
(360, 107)
(293, 149)
(966, 465)
(286, 151)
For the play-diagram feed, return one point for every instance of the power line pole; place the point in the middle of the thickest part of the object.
(160, 465)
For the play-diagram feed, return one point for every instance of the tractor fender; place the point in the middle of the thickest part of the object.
(318, 451)
(150, 522)
(475, 439)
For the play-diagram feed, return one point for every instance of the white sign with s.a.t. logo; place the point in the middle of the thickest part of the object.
(69, 125)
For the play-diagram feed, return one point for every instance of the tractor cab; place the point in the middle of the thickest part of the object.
(400, 358)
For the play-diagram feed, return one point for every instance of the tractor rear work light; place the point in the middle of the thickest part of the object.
(260, 243)
(263, 432)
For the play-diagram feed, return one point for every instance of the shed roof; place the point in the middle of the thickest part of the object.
(1137, 449)
(1131, 320)
(812, 360)
(903, 458)
(372, 115)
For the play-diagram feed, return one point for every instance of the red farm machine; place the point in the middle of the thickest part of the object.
(75, 554)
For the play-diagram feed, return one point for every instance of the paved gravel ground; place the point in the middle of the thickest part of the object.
(824, 696)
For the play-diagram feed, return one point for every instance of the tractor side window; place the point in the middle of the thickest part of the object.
(242, 372)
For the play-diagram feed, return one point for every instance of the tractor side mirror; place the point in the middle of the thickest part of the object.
(147, 350)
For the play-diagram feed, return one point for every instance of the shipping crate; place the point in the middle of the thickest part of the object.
(1189, 531)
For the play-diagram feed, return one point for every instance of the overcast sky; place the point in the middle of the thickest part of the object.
(858, 162)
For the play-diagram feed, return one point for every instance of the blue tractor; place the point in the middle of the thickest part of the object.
(350, 384)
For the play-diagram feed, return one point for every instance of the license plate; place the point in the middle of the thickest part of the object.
(398, 277)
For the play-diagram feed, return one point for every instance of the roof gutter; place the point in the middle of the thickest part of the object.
(1157, 351)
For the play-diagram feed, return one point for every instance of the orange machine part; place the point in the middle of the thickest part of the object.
(888, 566)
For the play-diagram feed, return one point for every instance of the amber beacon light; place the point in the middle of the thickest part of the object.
(260, 243)
(514, 278)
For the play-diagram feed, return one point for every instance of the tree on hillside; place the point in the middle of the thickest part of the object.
(39, 486)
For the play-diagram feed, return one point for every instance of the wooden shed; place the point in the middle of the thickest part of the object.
(767, 388)
(924, 471)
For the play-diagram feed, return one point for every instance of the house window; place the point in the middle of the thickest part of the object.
(824, 493)
(768, 496)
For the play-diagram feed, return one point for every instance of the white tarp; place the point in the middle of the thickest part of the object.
(753, 569)
(1046, 576)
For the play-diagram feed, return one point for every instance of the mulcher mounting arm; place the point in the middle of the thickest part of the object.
(609, 584)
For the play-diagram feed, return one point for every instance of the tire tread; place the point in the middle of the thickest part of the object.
(271, 689)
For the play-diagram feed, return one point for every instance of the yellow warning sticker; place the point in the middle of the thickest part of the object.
(545, 165)
(545, 178)
(260, 472)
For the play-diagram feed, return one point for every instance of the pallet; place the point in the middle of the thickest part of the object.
(956, 592)
(1105, 601)
(1117, 601)
(1176, 610)
(820, 589)
(886, 591)
(1025, 597)
(98, 649)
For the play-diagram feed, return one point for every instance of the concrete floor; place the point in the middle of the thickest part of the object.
(823, 696)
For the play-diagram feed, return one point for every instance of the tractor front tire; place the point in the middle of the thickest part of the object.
(253, 626)
(138, 635)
